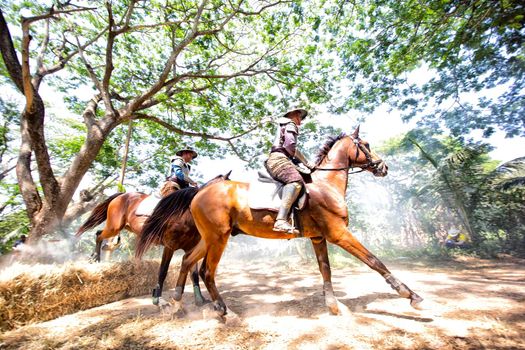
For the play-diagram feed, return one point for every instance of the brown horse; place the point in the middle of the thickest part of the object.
(119, 212)
(222, 208)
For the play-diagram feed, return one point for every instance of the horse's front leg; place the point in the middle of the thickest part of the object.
(348, 242)
(188, 261)
(321, 252)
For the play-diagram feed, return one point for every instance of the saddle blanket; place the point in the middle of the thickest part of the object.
(146, 207)
(265, 193)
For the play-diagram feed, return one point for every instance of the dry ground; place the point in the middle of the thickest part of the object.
(470, 304)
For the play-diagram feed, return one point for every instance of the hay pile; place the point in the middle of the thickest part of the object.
(34, 293)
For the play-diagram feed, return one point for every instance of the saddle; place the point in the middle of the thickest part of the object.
(265, 194)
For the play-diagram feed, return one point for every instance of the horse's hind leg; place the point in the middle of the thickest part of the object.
(199, 299)
(212, 260)
(348, 242)
(167, 254)
(114, 224)
(98, 246)
(321, 252)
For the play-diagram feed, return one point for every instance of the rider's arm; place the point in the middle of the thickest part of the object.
(179, 173)
(300, 157)
(177, 170)
(290, 138)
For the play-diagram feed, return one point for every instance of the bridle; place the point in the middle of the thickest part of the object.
(371, 164)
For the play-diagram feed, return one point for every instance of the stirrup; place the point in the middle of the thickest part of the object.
(284, 226)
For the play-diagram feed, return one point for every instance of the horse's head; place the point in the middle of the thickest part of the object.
(361, 156)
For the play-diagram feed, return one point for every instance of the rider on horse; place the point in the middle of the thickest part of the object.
(280, 165)
(180, 168)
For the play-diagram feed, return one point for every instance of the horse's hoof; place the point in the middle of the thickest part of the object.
(155, 300)
(334, 309)
(231, 319)
(201, 301)
(178, 293)
(331, 303)
(415, 302)
(220, 308)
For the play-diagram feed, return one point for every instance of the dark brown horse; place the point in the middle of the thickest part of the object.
(222, 208)
(118, 211)
(173, 232)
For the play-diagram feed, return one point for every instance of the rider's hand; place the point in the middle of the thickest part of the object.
(310, 165)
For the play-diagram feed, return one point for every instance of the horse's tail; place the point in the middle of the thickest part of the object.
(171, 207)
(98, 215)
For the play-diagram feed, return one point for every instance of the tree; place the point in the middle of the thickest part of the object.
(453, 64)
(442, 182)
(199, 70)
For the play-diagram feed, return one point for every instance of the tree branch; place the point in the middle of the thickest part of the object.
(26, 73)
(160, 83)
(109, 61)
(89, 68)
(9, 54)
(40, 59)
(192, 133)
(91, 110)
(63, 60)
(53, 12)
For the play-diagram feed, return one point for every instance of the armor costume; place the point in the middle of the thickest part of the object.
(280, 166)
(180, 171)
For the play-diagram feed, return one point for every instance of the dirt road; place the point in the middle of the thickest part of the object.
(469, 304)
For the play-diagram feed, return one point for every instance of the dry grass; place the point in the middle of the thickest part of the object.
(34, 293)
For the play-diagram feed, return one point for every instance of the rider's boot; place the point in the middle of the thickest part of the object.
(290, 193)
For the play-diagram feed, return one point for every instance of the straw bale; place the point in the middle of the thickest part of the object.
(35, 293)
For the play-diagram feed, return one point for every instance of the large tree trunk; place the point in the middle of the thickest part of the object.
(46, 208)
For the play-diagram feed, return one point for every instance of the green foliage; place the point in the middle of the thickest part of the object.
(436, 61)
(230, 77)
(435, 183)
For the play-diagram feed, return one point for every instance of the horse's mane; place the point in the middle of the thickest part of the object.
(324, 149)
(169, 208)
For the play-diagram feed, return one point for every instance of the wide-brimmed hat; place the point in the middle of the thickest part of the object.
(193, 153)
(302, 113)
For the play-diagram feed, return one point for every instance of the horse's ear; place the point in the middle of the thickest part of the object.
(355, 135)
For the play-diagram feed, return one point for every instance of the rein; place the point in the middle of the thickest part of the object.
(339, 169)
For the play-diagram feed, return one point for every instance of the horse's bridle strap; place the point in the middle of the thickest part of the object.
(371, 163)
